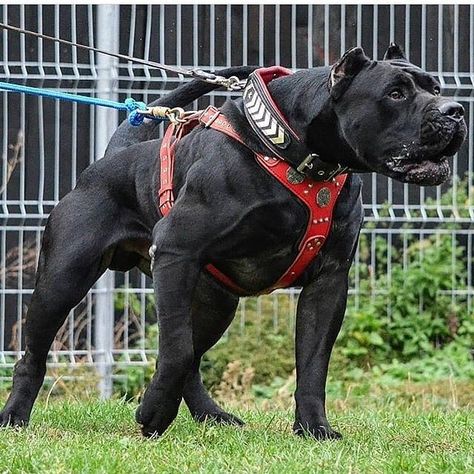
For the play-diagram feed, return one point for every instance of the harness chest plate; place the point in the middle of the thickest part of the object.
(319, 197)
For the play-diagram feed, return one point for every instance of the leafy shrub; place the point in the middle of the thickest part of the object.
(414, 313)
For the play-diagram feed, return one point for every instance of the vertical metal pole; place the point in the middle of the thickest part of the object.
(105, 124)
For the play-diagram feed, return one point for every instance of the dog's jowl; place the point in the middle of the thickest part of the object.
(229, 211)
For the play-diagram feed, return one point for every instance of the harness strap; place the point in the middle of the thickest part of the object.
(173, 134)
(319, 197)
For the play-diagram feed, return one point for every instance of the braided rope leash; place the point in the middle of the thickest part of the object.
(137, 111)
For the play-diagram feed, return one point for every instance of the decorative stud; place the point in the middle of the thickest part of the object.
(293, 176)
(323, 198)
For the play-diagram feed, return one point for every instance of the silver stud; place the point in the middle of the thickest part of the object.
(306, 191)
(266, 158)
(318, 242)
(326, 219)
(310, 185)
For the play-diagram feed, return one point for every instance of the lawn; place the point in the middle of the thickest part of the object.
(396, 431)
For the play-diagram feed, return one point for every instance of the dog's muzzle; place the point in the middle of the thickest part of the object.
(425, 163)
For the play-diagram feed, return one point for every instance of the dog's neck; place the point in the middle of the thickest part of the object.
(304, 100)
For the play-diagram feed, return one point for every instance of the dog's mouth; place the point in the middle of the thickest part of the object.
(427, 172)
(427, 164)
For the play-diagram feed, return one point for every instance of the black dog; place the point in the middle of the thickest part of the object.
(382, 116)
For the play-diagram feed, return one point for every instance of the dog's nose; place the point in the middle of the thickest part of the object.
(453, 110)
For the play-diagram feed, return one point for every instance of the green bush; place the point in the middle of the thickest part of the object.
(414, 313)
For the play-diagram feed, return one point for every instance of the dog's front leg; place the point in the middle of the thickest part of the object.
(321, 308)
(175, 272)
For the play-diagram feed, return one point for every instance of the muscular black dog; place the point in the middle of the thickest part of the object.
(382, 116)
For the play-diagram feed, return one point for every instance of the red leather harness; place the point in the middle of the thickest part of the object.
(319, 197)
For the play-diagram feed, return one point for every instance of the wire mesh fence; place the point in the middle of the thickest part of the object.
(46, 144)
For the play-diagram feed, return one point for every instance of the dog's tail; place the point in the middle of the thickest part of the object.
(127, 135)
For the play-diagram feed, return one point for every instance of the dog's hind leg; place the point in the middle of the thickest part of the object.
(70, 261)
(212, 312)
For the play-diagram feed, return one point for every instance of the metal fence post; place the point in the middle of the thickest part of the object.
(106, 122)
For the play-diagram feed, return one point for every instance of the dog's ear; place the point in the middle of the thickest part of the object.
(394, 52)
(344, 71)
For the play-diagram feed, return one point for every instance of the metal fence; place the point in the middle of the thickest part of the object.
(46, 144)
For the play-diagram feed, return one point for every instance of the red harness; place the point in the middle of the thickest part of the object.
(319, 197)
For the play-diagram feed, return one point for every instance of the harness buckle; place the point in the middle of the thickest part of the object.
(210, 120)
(307, 163)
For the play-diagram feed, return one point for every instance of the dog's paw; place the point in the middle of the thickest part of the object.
(319, 432)
(154, 423)
(11, 418)
(221, 418)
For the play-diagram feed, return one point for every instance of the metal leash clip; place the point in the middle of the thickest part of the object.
(232, 83)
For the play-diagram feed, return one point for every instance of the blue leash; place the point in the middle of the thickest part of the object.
(130, 105)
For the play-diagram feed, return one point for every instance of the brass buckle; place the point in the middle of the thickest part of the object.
(306, 163)
(211, 119)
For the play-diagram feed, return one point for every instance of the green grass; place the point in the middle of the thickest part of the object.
(390, 433)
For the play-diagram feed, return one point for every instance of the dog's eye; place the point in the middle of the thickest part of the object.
(397, 95)
(436, 90)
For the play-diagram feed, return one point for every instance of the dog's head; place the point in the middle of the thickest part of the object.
(393, 117)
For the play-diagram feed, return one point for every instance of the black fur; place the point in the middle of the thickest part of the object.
(231, 213)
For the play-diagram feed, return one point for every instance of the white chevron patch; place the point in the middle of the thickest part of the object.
(266, 121)
(272, 130)
(280, 138)
(261, 114)
(256, 106)
(251, 103)
(263, 118)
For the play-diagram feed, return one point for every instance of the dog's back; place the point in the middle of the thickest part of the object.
(182, 96)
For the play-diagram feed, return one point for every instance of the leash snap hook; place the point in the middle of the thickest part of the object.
(233, 83)
(176, 115)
